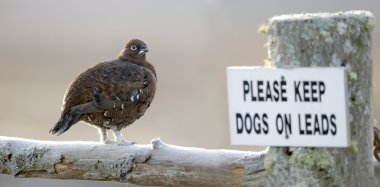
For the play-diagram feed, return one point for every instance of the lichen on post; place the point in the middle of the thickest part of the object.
(327, 40)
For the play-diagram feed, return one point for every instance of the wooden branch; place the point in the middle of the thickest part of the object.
(155, 164)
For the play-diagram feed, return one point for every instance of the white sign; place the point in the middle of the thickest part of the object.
(288, 107)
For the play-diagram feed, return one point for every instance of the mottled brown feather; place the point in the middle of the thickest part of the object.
(129, 82)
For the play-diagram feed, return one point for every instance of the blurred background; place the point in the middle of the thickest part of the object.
(44, 44)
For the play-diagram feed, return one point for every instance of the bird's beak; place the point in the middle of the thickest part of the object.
(143, 51)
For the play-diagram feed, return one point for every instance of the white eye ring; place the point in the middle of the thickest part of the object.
(133, 47)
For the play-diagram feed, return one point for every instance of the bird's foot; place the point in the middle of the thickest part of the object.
(124, 142)
(107, 141)
(119, 139)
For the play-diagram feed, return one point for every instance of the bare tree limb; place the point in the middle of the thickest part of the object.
(155, 164)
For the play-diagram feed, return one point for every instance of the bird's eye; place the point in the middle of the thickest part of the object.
(133, 47)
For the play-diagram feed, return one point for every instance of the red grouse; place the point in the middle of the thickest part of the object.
(111, 95)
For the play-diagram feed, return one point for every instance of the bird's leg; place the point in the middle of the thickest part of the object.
(119, 137)
(104, 136)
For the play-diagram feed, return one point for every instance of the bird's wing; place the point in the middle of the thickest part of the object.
(111, 85)
(86, 108)
(125, 84)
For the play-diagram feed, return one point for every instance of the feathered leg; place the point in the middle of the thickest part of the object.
(104, 136)
(119, 137)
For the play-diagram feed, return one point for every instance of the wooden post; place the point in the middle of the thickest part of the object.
(327, 40)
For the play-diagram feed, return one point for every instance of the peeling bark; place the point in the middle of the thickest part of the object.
(155, 164)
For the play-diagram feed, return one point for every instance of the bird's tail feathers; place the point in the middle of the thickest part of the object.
(64, 123)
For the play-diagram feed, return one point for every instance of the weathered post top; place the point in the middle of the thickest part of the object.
(300, 40)
(327, 40)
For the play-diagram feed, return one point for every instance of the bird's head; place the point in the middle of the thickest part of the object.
(134, 51)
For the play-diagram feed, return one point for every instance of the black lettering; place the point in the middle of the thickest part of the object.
(288, 125)
(306, 91)
(316, 124)
(297, 93)
(279, 128)
(253, 98)
(299, 124)
(325, 124)
(308, 123)
(269, 92)
(245, 89)
(239, 118)
(265, 123)
(257, 130)
(314, 97)
(276, 95)
(283, 89)
(333, 125)
(248, 128)
(260, 90)
(321, 90)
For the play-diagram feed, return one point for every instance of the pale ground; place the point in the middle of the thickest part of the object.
(45, 44)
